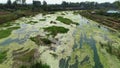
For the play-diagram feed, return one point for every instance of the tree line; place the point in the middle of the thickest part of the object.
(37, 5)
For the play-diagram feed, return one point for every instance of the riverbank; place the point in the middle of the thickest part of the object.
(102, 19)
(7, 16)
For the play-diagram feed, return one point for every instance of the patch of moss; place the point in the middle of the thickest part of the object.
(5, 33)
(54, 30)
(65, 20)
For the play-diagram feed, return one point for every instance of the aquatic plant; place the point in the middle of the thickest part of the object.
(54, 30)
(3, 56)
(5, 33)
(65, 20)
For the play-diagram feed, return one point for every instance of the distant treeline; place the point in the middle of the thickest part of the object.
(38, 6)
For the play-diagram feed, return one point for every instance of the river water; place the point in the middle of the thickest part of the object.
(85, 51)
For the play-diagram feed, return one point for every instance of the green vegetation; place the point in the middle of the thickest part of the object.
(102, 19)
(40, 65)
(62, 13)
(36, 40)
(54, 30)
(32, 22)
(75, 12)
(27, 56)
(111, 49)
(5, 33)
(39, 40)
(36, 65)
(46, 41)
(42, 19)
(23, 66)
(14, 15)
(54, 55)
(3, 56)
(65, 20)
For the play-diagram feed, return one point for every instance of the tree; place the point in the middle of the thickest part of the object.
(23, 2)
(117, 3)
(15, 4)
(9, 2)
(64, 3)
(17, 1)
(44, 5)
(36, 5)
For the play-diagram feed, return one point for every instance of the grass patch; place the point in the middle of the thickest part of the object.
(65, 20)
(54, 30)
(3, 56)
(42, 20)
(7, 32)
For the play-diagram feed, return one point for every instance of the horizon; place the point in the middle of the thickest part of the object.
(60, 1)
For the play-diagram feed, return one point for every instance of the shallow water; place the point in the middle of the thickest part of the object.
(85, 52)
(87, 33)
(23, 34)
